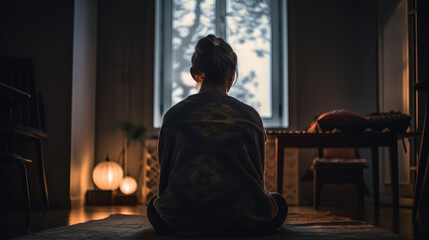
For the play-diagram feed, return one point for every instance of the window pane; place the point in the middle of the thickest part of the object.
(249, 33)
(192, 20)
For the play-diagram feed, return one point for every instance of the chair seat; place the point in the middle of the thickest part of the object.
(349, 162)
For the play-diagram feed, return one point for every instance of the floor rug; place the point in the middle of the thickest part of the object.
(118, 226)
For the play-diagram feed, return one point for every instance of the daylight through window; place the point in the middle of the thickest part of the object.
(249, 26)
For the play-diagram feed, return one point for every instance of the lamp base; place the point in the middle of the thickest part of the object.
(99, 198)
(126, 200)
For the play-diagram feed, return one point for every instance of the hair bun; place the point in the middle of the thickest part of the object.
(217, 50)
(207, 45)
(213, 60)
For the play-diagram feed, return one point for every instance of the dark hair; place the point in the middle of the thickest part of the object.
(213, 60)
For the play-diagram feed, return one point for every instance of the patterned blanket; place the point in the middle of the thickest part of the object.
(211, 153)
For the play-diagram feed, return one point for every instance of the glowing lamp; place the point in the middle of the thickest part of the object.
(107, 175)
(128, 185)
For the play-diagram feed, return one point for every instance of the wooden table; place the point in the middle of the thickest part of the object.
(285, 139)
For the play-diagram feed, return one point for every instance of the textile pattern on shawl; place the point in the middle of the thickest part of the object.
(211, 153)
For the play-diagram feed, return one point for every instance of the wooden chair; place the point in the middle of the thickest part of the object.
(338, 166)
(20, 119)
(21, 163)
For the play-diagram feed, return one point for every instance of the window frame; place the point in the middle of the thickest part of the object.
(279, 60)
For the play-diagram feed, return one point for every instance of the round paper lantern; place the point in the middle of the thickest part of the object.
(107, 175)
(128, 185)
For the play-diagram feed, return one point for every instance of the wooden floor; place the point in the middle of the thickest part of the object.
(41, 220)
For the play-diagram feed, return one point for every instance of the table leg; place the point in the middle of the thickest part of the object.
(375, 177)
(394, 175)
(280, 164)
(320, 152)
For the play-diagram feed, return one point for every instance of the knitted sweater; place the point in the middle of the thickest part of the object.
(211, 154)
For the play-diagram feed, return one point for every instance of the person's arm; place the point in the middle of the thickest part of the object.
(163, 177)
(263, 141)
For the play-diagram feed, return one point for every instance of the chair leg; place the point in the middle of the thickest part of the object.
(375, 177)
(360, 190)
(41, 170)
(317, 189)
(25, 192)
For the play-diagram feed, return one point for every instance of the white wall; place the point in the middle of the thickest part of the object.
(83, 97)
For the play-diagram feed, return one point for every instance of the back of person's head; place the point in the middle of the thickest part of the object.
(213, 61)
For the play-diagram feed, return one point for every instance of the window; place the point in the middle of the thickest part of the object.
(256, 30)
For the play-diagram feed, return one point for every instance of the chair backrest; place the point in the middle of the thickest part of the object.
(19, 101)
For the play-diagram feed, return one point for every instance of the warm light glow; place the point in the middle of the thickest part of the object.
(107, 175)
(128, 186)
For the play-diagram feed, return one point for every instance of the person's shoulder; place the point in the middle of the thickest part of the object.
(173, 110)
(178, 109)
(246, 110)
(196, 102)
(216, 98)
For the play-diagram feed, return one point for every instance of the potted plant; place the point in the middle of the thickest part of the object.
(134, 133)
